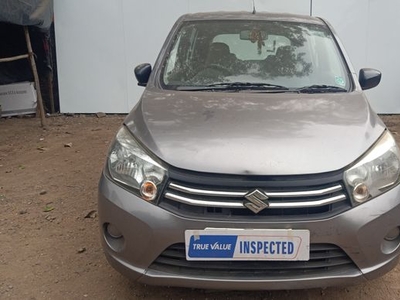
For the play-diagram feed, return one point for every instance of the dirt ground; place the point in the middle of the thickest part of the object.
(49, 237)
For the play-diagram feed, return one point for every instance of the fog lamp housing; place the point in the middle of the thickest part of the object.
(393, 234)
(113, 231)
(113, 237)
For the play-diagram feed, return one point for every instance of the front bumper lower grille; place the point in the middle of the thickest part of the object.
(325, 259)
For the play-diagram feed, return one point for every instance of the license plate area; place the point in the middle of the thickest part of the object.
(247, 244)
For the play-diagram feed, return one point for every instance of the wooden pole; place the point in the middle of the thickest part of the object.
(8, 59)
(36, 77)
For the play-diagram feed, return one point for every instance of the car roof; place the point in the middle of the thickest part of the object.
(245, 15)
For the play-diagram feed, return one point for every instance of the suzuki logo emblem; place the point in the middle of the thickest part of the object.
(256, 201)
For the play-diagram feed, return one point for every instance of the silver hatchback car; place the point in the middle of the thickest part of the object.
(252, 161)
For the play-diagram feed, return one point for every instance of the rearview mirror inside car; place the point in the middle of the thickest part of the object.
(254, 34)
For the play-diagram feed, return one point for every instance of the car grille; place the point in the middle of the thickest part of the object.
(204, 195)
(325, 259)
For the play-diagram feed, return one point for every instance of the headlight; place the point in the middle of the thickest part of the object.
(130, 165)
(376, 172)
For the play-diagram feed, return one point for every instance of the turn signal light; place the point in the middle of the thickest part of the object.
(361, 192)
(148, 190)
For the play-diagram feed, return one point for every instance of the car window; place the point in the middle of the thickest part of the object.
(289, 54)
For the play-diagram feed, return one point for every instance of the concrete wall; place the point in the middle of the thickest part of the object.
(99, 42)
(368, 30)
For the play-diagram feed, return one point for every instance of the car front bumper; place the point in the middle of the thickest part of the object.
(148, 230)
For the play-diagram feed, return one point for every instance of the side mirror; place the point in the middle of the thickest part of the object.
(142, 73)
(369, 78)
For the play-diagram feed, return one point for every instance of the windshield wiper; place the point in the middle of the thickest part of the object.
(321, 88)
(234, 86)
(250, 85)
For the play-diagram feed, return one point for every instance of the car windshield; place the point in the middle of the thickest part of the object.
(259, 55)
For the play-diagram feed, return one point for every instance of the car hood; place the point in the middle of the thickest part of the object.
(255, 133)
